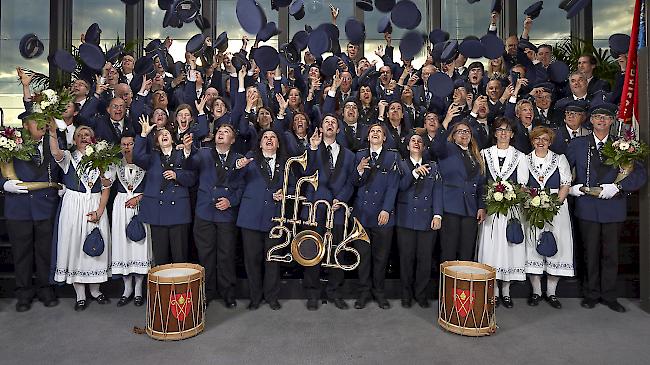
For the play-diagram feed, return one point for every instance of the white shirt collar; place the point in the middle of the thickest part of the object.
(415, 162)
(377, 151)
(604, 140)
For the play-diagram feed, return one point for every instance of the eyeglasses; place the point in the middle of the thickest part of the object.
(573, 114)
(602, 117)
(503, 130)
(117, 107)
(544, 97)
(542, 139)
(463, 131)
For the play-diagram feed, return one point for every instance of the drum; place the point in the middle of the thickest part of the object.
(175, 301)
(467, 302)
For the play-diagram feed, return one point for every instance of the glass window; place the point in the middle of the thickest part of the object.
(227, 22)
(550, 27)
(611, 16)
(153, 29)
(19, 17)
(318, 12)
(108, 15)
(462, 19)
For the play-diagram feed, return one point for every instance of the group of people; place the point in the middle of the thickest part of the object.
(204, 148)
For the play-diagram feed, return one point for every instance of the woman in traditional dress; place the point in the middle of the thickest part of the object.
(130, 259)
(549, 170)
(508, 259)
(82, 210)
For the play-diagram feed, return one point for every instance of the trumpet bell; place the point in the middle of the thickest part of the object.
(308, 248)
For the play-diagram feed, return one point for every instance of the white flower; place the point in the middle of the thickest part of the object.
(54, 99)
(18, 134)
(498, 196)
(101, 146)
(49, 93)
(511, 196)
(545, 198)
(624, 146)
(44, 104)
(89, 150)
(536, 201)
(37, 108)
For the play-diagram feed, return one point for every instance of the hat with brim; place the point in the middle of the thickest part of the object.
(440, 84)
(277, 4)
(250, 15)
(436, 52)
(619, 44)
(546, 86)
(450, 52)
(533, 10)
(171, 19)
(221, 43)
(319, 42)
(289, 55)
(30, 46)
(143, 65)
(438, 35)
(384, 25)
(239, 61)
(63, 60)
(604, 108)
(578, 106)
(266, 57)
(472, 48)
(385, 6)
(365, 5)
(297, 9)
(330, 66)
(355, 31)
(411, 44)
(406, 15)
(165, 4)
(196, 44)
(92, 56)
(493, 46)
(93, 34)
(187, 10)
(113, 54)
(496, 6)
(525, 44)
(267, 32)
(558, 72)
(300, 40)
(153, 46)
(202, 23)
(574, 8)
(130, 2)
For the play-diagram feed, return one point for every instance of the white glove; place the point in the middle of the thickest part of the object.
(61, 191)
(609, 190)
(575, 190)
(11, 186)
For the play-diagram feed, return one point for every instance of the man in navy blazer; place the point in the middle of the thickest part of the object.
(110, 127)
(601, 217)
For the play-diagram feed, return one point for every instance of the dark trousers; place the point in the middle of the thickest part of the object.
(335, 277)
(601, 256)
(31, 243)
(169, 243)
(458, 239)
(263, 276)
(415, 255)
(374, 258)
(215, 245)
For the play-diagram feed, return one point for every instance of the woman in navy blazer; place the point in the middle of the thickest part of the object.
(263, 172)
(463, 174)
(419, 217)
(166, 200)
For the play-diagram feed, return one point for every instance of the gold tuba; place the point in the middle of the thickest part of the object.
(9, 173)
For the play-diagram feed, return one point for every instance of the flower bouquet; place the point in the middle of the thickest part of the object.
(502, 196)
(49, 104)
(540, 206)
(99, 155)
(14, 145)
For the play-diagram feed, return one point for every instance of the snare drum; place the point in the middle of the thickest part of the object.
(466, 305)
(176, 301)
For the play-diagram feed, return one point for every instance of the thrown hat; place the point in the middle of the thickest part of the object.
(450, 52)
(165, 4)
(63, 60)
(471, 48)
(187, 10)
(575, 7)
(619, 44)
(30, 46)
(116, 52)
(266, 57)
(496, 6)
(297, 9)
(143, 65)
(524, 43)
(436, 52)
(250, 15)
(438, 35)
(277, 4)
(384, 25)
(330, 65)
(473, 1)
(153, 46)
(534, 10)
(289, 54)
(411, 44)
(221, 43)
(202, 23)
(406, 15)
(171, 19)
(365, 5)
(355, 31)
(319, 42)
(93, 34)
(239, 61)
(130, 2)
(493, 46)
(604, 108)
(300, 40)
(92, 56)
(267, 31)
(440, 84)
(196, 44)
(558, 72)
(384, 6)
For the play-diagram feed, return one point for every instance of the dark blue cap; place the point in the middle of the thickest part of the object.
(25, 115)
(473, 1)
(406, 15)
(461, 83)
(250, 15)
(202, 23)
(289, 55)
(619, 44)
(92, 56)
(143, 66)
(411, 44)
(436, 52)
(130, 2)
(300, 39)
(187, 10)
(266, 57)
(221, 43)
(604, 108)
(319, 42)
(579, 106)
(558, 72)
(534, 10)
(450, 52)
(277, 4)
(165, 4)
(93, 34)
(523, 44)
(297, 9)
(239, 61)
(493, 45)
(63, 60)
(546, 86)
(384, 6)
(438, 35)
(116, 52)
(153, 46)
(496, 6)
(30, 46)
(472, 48)
(384, 25)
(330, 66)
(267, 31)
(365, 5)
(333, 31)
(355, 31)
(574, 8)
(440, 84)
(196, 44)
(171, 19)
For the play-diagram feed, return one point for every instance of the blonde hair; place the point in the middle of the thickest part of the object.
(81, 128)
(541, 130)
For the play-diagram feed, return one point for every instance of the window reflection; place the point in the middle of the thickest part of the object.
(550, 27)
(153, 29)
(611, 16)
(108, 15)
(462, 19)
(227, 22)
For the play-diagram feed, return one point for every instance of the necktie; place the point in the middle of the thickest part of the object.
(38, 157)
(427, 96)
(117, 129)
(330, 157)
(354, 129)
(222, 158)
(373, 157)
(600, 149)
(268, 166)
(574, 134)
(502, 160)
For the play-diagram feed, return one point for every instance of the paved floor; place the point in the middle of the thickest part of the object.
(293, 335)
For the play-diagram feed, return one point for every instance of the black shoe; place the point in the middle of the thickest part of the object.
(23, 306)
(553, 301)
(424, 303)
(101, 299)
(312, 304)
(534, 299)
(230, 303)
(138, 301)
(361, 302)
(51, 302)
(588, 303)
(615, 306)
(81, 305)
(406, 303)
(340, 303)
(275, 305)
(124, 301)
(253, 306)
(383, 303)
(507, 302)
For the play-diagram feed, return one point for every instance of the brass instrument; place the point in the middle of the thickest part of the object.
(323, 244)
(9, 173)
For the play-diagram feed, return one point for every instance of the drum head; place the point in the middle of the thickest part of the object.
(468, 269)
(176, 272)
